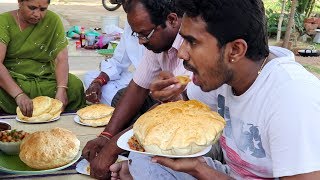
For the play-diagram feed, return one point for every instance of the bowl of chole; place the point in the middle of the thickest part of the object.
(94, 115)
(45, 109)
(10, 141)
(181, 128)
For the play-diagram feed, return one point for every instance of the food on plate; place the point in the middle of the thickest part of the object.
(96, 114)
(10, 141)
(49, 149)
(135, 145)
(177, 128)
(183, 79)
(44, 109)
(12, 135)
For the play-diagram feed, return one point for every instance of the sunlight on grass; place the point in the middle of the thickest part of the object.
(312, 68)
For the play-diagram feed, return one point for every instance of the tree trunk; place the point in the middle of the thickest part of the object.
(280, 20)
(290, 24)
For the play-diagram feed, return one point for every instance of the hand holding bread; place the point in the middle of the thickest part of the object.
(44, 109)
(166, 87)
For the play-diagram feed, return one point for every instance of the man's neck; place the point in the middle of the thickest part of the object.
(247, 73)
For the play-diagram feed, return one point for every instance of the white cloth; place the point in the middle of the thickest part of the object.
(128, 52)
(272, 128)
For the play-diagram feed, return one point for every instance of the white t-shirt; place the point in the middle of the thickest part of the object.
(272, 129)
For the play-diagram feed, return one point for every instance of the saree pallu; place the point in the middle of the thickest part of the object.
(30, 60)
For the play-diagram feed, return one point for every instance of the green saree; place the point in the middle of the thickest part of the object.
(30, 60)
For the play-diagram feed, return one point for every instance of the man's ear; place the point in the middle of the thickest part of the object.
(237, 50)
(173, 20)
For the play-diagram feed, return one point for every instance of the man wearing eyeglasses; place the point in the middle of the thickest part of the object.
(156, 24)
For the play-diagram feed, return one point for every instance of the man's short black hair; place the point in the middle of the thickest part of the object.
(228, 20)
(158, 9)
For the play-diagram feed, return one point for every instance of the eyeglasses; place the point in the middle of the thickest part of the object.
(143, 37)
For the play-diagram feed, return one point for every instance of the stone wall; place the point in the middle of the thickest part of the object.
(311, 24)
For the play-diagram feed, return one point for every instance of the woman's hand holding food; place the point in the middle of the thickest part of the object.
(25, 104)
(166, 87)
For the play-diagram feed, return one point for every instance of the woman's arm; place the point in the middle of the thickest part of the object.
(62, 70)
(11, 87)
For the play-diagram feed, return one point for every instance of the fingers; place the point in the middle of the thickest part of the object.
(29, 109)
(25, 105)
(99, 175)
(115, 169)
(86, 152)
(168, 162)
(93, 93)
(169, 93)
(93, 97)
(92, 154)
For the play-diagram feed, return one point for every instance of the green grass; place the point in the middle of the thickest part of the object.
(312, 68)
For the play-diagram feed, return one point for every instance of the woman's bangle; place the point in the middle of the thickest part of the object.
(18, 95)
(107, 134)
(65, 87)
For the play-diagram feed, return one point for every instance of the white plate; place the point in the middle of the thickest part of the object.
(83, 165)
(123, 144)
(77, 120)
(37, 122)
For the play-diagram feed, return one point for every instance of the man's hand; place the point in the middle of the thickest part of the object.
(187, 165)
(62, 96)
(93, 147)
(166, 87)
(93, 93)
(25, 104)
(99, 166)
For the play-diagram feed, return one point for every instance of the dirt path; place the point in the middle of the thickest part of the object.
(310, 61)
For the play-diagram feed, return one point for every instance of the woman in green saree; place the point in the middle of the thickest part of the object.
(34, 59)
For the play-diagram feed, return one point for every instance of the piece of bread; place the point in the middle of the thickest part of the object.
(96, 122)
(44, 109)
(183, 79)
(178, 128)
(56, 107)
(49, 149)
(95, 111)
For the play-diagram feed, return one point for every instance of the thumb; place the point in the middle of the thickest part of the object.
(163, 161)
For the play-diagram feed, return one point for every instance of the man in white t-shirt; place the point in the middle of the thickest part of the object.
(271, 104)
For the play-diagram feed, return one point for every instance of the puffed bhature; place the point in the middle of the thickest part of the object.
(49, 149)
(96, 114)
(178, 128)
